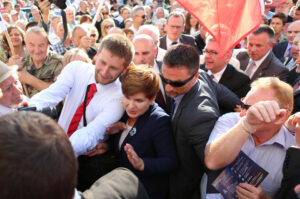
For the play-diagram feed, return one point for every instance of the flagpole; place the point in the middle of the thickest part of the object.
(98, 12)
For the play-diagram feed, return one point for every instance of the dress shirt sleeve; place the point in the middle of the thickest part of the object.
(57, 91)
(86, 138)
(224, 124)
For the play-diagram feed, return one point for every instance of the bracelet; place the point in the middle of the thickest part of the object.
(245, 129)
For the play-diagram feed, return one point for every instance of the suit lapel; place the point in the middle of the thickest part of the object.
(263, 66)
(183, 103)
(226, 76)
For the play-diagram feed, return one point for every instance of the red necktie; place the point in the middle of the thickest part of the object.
(79, 112)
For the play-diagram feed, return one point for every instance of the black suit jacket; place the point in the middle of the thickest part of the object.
(192, 124)
(270, 67)
(184, 39)
(279, 49)
(291, 174)
(296, 96)
(235, 79)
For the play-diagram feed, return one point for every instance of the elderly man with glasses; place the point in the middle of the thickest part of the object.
(258, 131)
(194, 111)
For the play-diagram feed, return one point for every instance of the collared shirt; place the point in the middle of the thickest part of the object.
(104, 109)
(177, 101)
(258, 63)
(270, 155)
(5, 110)
(288, 50)
(161, 86)
(135, 32)
(48, 72)
(218, 75)
(160, 54)
(169, 42)
(60, 48)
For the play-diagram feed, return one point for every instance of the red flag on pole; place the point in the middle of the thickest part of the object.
(228, 21)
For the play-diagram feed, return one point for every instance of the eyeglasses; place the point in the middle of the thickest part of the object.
(176, 83)
(211, 52)
(93, 35)
(109, 26)
(245, 106)
(104, 13)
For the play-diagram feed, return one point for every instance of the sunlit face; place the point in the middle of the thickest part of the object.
(125, 14)
(15, 17)
(296, 15)
(108, 67)
(256, 95)
(175, 27)
(128, 24)
(37, 46)
(293, 30)
(137, 104)
(36, 15)
(140, 17)
(295, 48)
(16, 37)
(177, 74)
(277, 25)
(160, 14)
(145, 52)
(12, 92)
(109, 25)
(77, 36)
(70, 16)
(213, 61)
(259, 45)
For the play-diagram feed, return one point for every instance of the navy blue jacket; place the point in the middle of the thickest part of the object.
(153, 142)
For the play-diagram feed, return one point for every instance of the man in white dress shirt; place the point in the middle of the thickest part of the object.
(105, 108)
(11, 89)
(259, 132)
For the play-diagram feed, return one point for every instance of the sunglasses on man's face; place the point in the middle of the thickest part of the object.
(143, 16)
(245, 106)
(176, 83)
(105, 13)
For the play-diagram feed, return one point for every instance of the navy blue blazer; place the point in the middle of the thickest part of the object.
(153, 142)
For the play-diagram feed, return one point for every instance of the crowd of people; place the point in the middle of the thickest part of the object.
(142, 86)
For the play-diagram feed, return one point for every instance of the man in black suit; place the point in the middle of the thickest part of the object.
(283, 49)
(194, 110)
(289, 62)
(175, 28)
(222, 72)
(145, 52)
(262, 62)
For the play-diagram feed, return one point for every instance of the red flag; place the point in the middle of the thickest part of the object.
(228, 21)
(275, 3)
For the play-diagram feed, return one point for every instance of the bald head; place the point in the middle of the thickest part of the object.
(150, 30)
(145, 50)
(293, 30)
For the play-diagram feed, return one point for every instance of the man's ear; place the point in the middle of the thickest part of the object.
(283, 116)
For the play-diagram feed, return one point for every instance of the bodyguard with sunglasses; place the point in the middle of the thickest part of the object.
(194, 111)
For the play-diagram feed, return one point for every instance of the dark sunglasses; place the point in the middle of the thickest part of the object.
(105, 13)
(245, 106)
(108, 26)
(176, 83)
(143, 16)
(93, 35)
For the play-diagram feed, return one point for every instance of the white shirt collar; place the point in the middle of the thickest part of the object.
(218, 75)
(169, 42)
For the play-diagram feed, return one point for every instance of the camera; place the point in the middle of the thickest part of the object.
(59, 3)
(49, 111)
